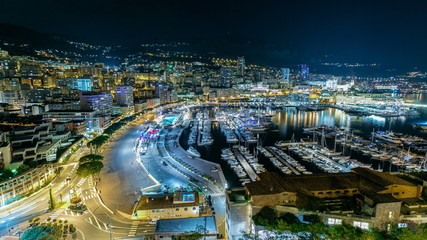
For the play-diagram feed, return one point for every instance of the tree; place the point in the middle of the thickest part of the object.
(23, 168)
(91, 158)
(52, 203)
(189, 236)
(265, 217)
(75, 200)
(289, 218)
(97, 142)
(43, 232)
(89, 169)
(6, 174)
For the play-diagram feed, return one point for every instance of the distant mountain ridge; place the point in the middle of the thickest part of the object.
(255, 50)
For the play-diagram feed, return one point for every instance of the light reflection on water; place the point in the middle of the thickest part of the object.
(292, 121)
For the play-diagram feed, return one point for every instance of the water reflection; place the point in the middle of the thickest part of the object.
(418, 98)
(292, 121)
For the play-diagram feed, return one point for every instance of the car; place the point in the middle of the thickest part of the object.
(153, 221)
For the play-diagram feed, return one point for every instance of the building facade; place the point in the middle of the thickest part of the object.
(101, 103)
(168, 206)
(124, 95)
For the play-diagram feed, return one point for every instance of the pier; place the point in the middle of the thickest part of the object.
(283, 161)
(286, 144)
(327, 160)
(251, 173)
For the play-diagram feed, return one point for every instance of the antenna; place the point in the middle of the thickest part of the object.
(423, 163)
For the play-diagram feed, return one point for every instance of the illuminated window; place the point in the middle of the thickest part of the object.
(334, 221)
(362, 225)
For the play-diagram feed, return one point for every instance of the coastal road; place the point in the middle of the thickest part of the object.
(122, 178)
(37, 204)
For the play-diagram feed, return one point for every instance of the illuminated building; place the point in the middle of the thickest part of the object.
(305, 72)
(240, 66)
(161, 91)
(83, 84)
(101, 103)
(168, 206)
(226, 76)
(285, 74)
(124, 95)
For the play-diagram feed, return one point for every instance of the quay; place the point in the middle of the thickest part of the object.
(283, 160)
(251, 173)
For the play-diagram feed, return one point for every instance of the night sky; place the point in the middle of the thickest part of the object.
(362, 30)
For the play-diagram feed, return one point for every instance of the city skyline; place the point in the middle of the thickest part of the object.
(225, 120)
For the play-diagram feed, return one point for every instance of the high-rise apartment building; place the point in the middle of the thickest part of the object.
(124, 95)
(161, 91)
(101, 103)
(226, 77)
(285, 74)
(83, 84)
(305, 72)
(241, 66)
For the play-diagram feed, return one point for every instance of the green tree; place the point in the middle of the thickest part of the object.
(89, 169)
(91, 158)
(265, 217)
(189, 236)
(52, 203)
(43, 232)
(6, 174)
(23, 168)
(289, 218)
(96, 143)
(75, 200)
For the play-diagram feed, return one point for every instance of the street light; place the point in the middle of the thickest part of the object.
(109, 225)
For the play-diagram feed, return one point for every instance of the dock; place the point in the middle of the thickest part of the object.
(283, 161)
(251, 173)
(285, 144)
(327, 160)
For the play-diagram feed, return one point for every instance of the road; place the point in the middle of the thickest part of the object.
(122, 179)
(37, 204)
(168, 146)
(121, 175)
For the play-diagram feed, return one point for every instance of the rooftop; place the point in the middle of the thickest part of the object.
(381, 178)
(162, 201)
(364, 179)
(70, 111)
(185, 225)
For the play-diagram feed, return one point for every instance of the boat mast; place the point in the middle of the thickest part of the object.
(423, 162)
(323, 140)
(335, 143)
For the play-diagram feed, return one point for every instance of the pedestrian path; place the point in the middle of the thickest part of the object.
(220, 194)
(69, 213)
(89, 197)
(133, 229)
(56, 213)
(96, 223)
(80, 183)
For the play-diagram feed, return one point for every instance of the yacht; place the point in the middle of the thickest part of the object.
(193, 152)
(388, 137)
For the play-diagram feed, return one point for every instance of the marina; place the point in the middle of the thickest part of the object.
(297, 142)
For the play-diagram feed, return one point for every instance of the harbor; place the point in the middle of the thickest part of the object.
(247, 140)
